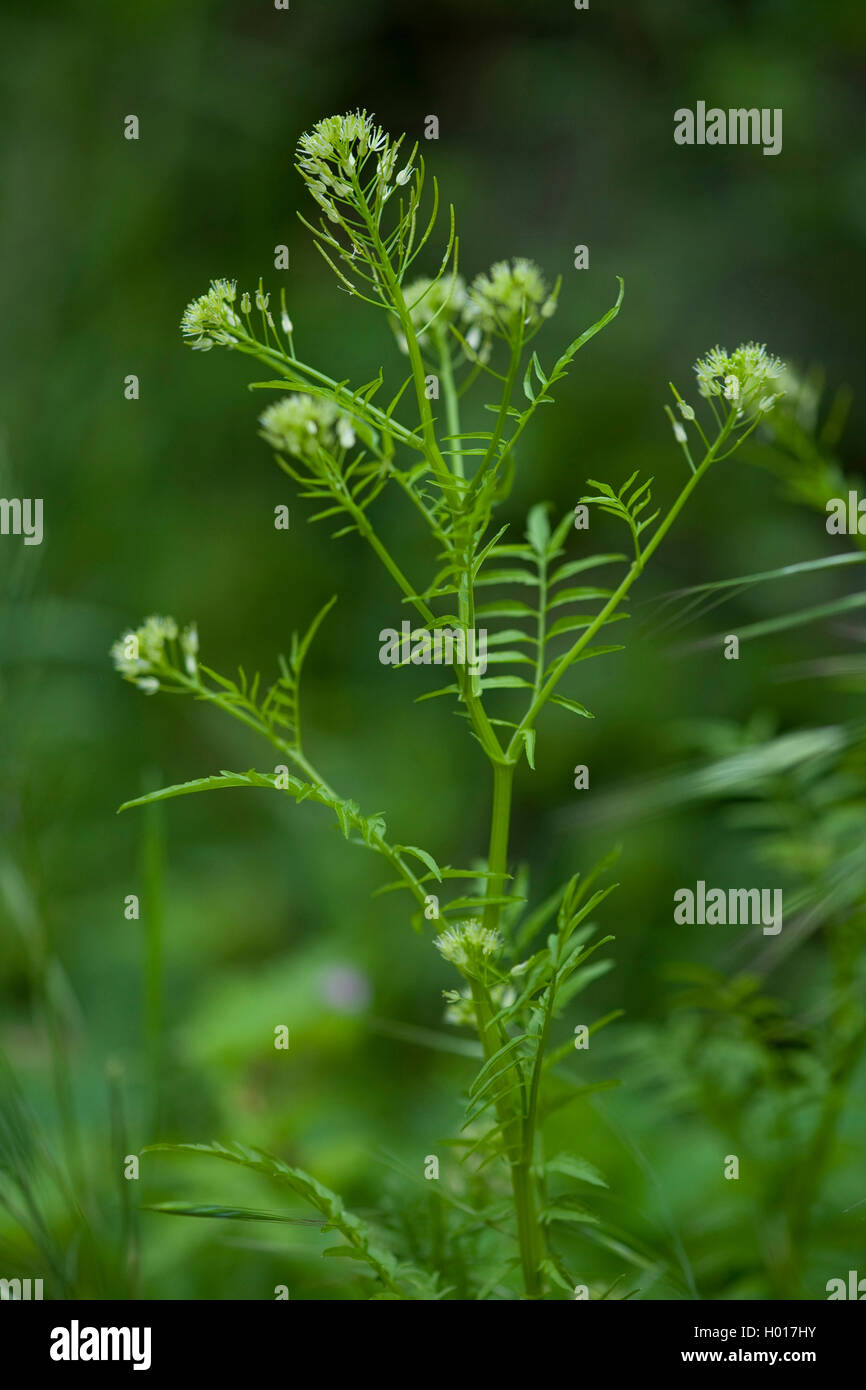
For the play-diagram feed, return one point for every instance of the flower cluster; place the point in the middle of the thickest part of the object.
(209, 321)
(510, 294)
(441, 300)
(305, 426)
(469, 945)
(460, 1010)
(144, 652)
(744, 378)
(333, 161)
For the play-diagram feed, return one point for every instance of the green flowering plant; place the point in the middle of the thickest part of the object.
(745, 378)
(511, 299)
(520, 962)
(210, 320)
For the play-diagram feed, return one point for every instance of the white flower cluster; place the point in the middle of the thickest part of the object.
(334, 160)
(468, 944)
(304, 426)
(209, 321)
(460, 1010)
(441, 300)
(511, 294)
(745, 378)
(143, 653)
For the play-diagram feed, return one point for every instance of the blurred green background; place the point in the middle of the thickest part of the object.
(555, 130)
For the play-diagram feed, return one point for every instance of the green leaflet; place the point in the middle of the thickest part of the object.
(507, 577)
(573, 1167)
(581, 622)
(572, 705)
(538, 523)
(574, 567)
(627, 504)
(226, 1213)
(360, 1242)
(348, 815)
(493, 1065)
(569, 1213)
(424, 857)
(202, 784)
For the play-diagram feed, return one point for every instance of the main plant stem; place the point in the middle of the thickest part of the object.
(500, 826)
(510, 1113)
(512, 1124)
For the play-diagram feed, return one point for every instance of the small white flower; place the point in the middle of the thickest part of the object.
(206, 320)
(246, 306)
(386, 164)
(742, 377)
(679, 433)
(686, 410)
(345, 432)
(468, 944)
(509, 294)
(405, 175)
(286, 323)
(189, 647)
(149, 684)
(305, 426)
(438, 302)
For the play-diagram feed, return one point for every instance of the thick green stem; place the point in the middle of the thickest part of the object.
(522, 1186)
(541, 626)
(514, 1123)
(500, 824)
(510, 1119)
